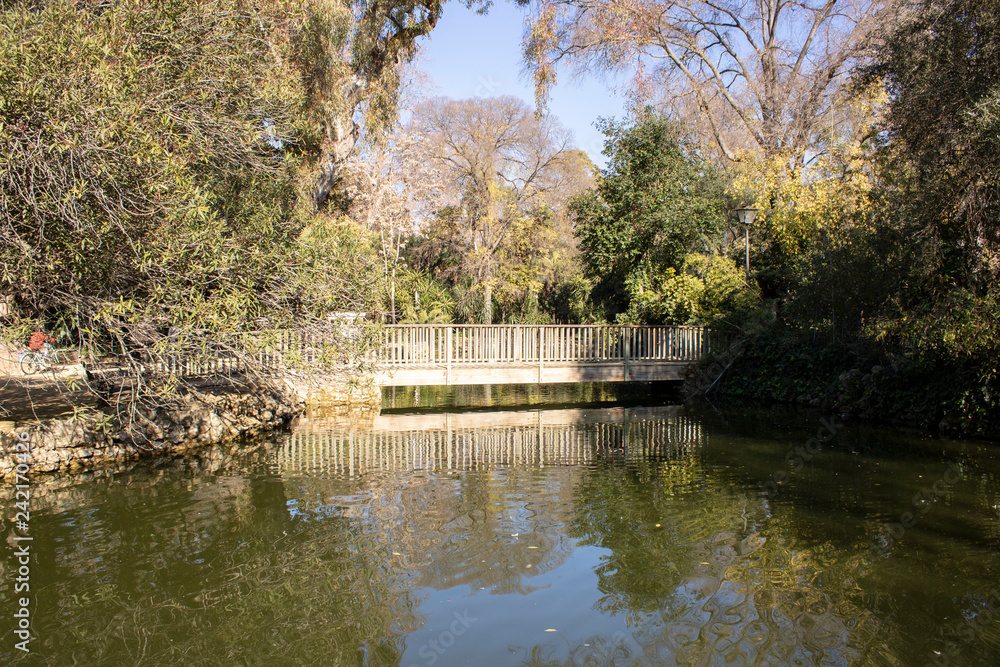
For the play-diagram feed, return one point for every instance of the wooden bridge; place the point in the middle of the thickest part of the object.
(522, 354)
(418, 354)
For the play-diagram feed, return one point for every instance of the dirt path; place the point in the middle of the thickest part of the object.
(25, 399)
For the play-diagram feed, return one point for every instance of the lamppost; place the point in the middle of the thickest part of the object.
(746, 216)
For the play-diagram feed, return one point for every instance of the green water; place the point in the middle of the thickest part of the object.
(551, 536)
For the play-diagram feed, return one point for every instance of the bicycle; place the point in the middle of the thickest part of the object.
(39, 361)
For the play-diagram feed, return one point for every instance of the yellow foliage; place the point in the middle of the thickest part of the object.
(797, 196)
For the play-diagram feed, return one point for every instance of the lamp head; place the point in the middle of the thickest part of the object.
(746, 215)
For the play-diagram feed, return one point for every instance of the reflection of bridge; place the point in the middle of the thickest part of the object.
(516, 354)
(462, 441)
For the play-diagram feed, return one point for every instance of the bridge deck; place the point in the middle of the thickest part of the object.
(530, 373)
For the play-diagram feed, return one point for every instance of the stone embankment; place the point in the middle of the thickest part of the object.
(94, 439)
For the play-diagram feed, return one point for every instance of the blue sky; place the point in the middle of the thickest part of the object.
(468, 55)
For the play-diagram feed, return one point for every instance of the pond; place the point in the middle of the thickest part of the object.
(540, 527)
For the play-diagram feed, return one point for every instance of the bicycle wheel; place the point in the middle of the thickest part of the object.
(29, 364)
(43, 362)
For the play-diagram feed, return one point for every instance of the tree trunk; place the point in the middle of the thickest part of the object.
(342, 136)
(488, 301)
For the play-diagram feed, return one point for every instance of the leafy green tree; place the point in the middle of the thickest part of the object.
(654, 203)
(158, 164)
(166, 153)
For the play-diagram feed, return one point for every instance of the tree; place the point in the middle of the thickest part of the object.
(766, 75)
(153, 160)
(499, 161)
(654, 203)
(388, 189)
(942, 138)
(380, 37)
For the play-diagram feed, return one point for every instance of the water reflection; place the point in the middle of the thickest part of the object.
(474, 440)
(614, 536)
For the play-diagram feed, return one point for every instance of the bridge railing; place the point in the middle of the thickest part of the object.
(425, 344)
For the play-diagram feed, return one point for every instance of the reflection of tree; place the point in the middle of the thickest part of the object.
(596, 651)
(488, 529)
(703, 579)
(190, 568)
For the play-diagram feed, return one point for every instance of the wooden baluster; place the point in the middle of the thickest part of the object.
(447, 354)
(541, 351)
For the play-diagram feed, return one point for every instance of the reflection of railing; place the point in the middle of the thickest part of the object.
(420, 344)
(558, 437)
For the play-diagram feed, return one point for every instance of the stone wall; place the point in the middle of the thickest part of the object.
(212, 415)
